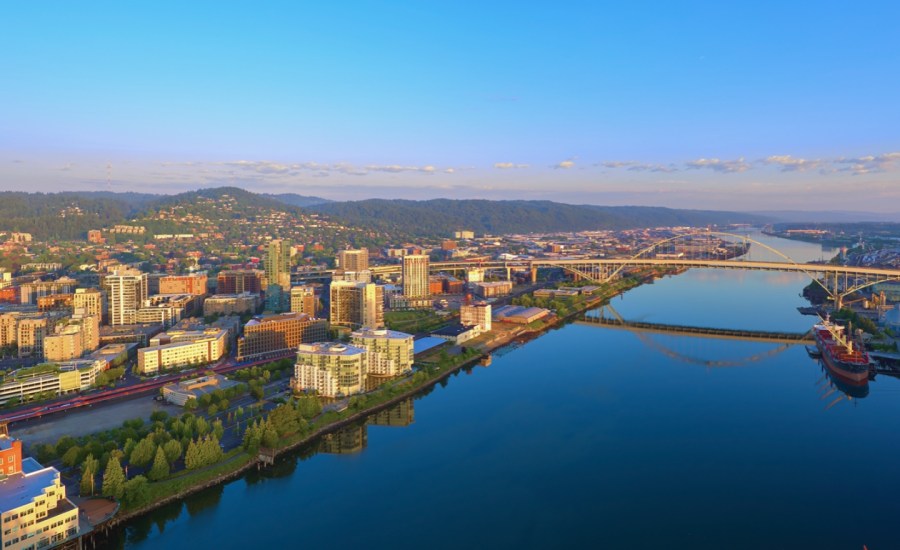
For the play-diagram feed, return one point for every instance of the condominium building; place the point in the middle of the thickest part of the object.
(126, 291)
(476, 315)
(272, 335)
(356, 304)
(34, 510)
(415, 276)
(183, 284)
(30, 334)
(71, 340)
(30, 292)
(330, 369)
(303, 300)
(278, 263)
(390, 352)
(167, 309)
(177, 348)
(231, 304)
(9, 326)
(237, 281)
(353, 260)
(88, 301)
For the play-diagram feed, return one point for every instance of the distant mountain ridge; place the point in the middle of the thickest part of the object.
(439, 216)
(294, 199)
(830, 216)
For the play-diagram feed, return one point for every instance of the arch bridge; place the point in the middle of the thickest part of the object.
(697, 249)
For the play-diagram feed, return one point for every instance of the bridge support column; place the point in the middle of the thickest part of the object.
(533, 275)
(509, 274)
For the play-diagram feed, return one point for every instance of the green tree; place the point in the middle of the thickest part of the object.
(269, 436)
(172, 448)
(70, 459)
(89, 469)
(252, 438)
(136, 491)
(193, 458)
(113, 479)
(160, 468)
(218, 429)
(143, 452)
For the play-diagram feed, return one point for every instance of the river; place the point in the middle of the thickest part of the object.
(594, 437)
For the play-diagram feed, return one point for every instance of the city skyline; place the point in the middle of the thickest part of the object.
(691, 106)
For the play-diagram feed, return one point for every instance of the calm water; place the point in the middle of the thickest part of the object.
(597, 437)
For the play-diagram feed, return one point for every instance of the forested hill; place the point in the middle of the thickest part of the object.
(437, 217)
(62, 215)
(294, 199)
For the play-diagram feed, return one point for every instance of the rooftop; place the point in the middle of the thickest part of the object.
(380, 333)
(330, 348)
(22, 488)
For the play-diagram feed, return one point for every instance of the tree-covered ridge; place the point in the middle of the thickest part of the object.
(437, 217)
(294, 199)
(59, 215)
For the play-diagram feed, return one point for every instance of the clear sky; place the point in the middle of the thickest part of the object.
(727, 105)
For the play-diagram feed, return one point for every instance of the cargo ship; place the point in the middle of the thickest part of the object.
(845, 357)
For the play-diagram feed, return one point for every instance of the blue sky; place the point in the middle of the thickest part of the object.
(764, 105)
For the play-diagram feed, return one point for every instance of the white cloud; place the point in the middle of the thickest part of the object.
(636, 166)
(787, 163)
(725, 166)
(564, 165)
(509, 165)
(868, 164)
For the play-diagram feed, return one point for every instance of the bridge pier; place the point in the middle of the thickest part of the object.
(533, 275)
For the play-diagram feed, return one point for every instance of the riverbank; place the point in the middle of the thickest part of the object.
(239, 462)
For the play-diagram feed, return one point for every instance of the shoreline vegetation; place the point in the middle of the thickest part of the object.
(432, 369)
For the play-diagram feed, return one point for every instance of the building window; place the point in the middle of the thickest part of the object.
(10, 459)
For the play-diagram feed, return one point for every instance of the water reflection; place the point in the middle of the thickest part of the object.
(845, 388)
(348, 440)
(401, 414)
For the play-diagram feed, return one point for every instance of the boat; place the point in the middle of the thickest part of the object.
(813, 352)
(844, 356)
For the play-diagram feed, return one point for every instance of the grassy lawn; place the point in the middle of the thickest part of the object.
(414, 321)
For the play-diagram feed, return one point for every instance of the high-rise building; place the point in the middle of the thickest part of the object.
(278, 263)
(79, 335)
(9, 323)
(273, 335)
(353, 260)
(415, 276)
(34, 510)
(303, 300)
(330, 369)
(390, 352)
(238, 281)
(30, 334)
(356, 305)
(88, 301)
(126, 291)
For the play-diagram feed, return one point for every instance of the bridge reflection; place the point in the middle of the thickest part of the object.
(705, 332)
